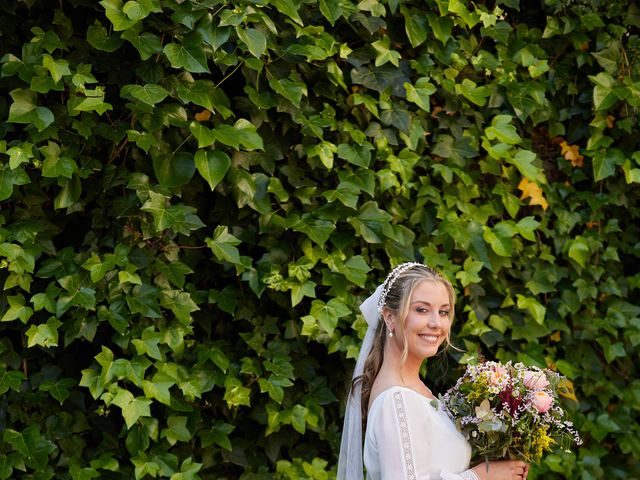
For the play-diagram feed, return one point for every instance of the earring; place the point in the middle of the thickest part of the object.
(390, 334)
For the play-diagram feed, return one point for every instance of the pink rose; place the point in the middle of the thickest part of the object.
(541, 400)
(535, 380)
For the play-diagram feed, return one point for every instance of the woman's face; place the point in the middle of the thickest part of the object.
(427, 323)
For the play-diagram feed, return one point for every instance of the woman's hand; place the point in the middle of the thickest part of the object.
(502, 470)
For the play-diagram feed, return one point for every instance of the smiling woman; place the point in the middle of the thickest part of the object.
(408, 434)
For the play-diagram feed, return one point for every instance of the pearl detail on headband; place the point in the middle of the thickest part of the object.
(391, 278)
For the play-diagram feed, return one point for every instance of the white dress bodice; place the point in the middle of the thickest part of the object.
(410, 437)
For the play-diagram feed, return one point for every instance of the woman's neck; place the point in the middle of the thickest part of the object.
(407, 373)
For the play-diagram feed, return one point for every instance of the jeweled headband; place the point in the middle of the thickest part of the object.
(391, 278)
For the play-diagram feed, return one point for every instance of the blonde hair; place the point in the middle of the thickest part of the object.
(398, 300)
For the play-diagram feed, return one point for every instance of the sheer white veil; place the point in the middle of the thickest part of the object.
(350, 466)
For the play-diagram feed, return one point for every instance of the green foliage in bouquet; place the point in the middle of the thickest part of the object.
(197, 194)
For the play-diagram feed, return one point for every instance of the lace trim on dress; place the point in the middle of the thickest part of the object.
(404, 436)
(469, 475)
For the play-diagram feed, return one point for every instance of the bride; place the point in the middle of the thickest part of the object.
(408, 435)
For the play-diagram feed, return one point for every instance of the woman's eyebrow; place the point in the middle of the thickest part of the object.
(428, 303)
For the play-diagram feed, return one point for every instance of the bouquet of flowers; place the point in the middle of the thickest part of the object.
(509, 411)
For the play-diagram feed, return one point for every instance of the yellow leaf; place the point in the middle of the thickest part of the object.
(203, 116)
(555, 336)
(593, 224)
(572, 154)
(565, 389)
(610, 120)
(533, 192)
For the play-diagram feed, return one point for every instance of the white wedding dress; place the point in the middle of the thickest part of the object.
(410, 437)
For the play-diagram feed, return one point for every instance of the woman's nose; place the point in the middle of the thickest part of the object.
(433, 321)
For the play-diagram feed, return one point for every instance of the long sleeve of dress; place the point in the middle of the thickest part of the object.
(409, 438)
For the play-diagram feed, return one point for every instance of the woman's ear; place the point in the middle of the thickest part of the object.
(389, 319)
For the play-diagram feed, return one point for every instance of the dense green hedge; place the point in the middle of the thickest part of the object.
(197, 194)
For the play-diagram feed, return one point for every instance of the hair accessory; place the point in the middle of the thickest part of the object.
(391, 278)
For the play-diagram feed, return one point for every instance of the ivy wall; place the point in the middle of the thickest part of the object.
(197, 194)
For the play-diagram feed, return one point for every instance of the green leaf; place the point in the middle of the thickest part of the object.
(144, 300)
(218, 434)
(17, 309)
(204, 135)
(328, 314)
(455, 148)
(20, 154)
(60, 389)
(471, 91)
(372, 223)
(316, 229)
(384, 54)
(255, 40)
(289, 8)
(299, 291)
(99, 38)
(236, 394)
(331, 10)
(291, 89)
(148, 342)
(523, 160)
(179, 218)
(188, 470)
(138, 10)
(499, 239)
(242, 133)
(420, 93)
(22, 442)
(11, 379)
(359, 155)
(54, 164)
(631, 175)
(129, 277)
(150, 93)
(579, 251)
(180, 303)
(158, 389)
(113, 10)
(45, 334)
(605, 162)
(223, 245)
(146, 43)
(502, 130)
(440, 26)
(536, 310)
(177, 430)
(25, 110)
(469, 274)
(205, 94)
(527, 226)
(175, 169)
(323, 150)
(188, 55)
(415, 26)
(10, 178)
(132, 407)
(212, 166)
(356, 269)
(604, 96)
(57, 68)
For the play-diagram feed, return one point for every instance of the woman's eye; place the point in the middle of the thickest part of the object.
(422, 310)
(444, 313)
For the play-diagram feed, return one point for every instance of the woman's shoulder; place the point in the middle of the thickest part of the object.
(399, 394)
